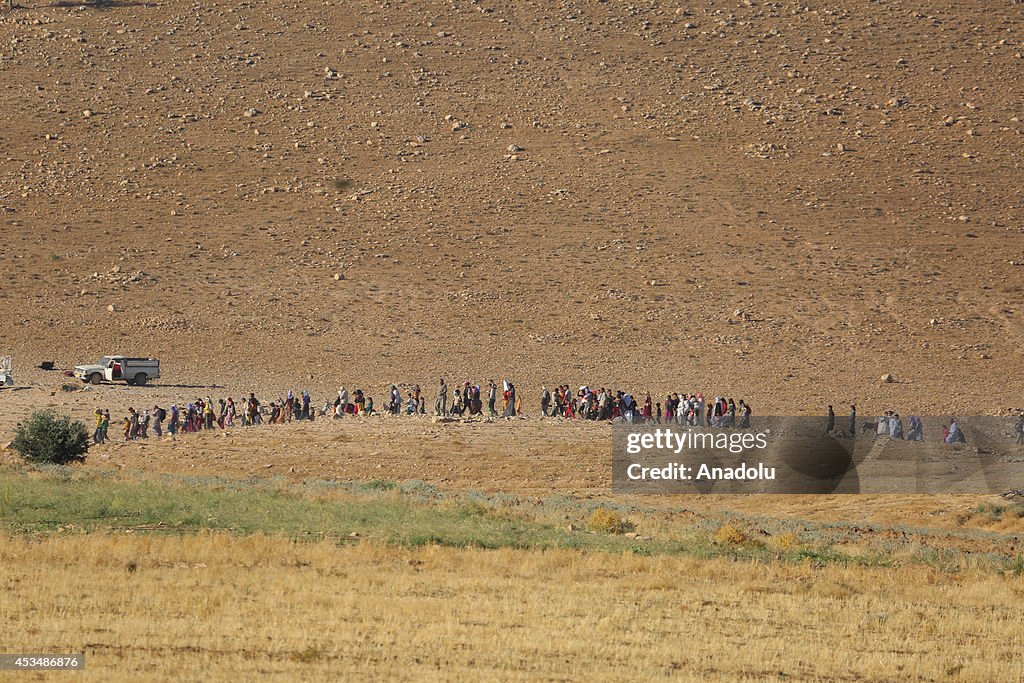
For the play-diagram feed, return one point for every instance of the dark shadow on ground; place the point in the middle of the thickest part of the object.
(162, 385)
(98, 4)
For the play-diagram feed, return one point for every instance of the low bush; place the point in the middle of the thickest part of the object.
(607, 521)
(728, 534)
(49, 438)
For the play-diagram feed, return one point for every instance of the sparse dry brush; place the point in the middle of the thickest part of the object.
(786, 541)
(607, 521)
(729, 534)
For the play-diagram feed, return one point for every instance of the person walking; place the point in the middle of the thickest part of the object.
(253, 409)
(545, 401)
(853, 420)
(421, 403)
(441, 404)
(128, 424)
(208, 414)
(134, 418)
(745, 412)
(830, 427)
(955, 434)
(1019, 429)
(158, 418)
(492, 396)
(97, 435)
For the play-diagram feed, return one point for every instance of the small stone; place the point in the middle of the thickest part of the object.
(112, 308)
(87, 113)
(250, 112)
(339, 276)
(514, 148)
(888, 379)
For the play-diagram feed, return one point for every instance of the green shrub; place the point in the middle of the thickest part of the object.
(48, 438)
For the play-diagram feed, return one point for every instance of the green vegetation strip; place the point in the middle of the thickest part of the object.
(43, 500)
(46, 503)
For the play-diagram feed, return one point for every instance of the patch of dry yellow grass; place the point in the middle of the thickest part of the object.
(215, 607)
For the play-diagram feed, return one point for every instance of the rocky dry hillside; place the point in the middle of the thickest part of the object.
(784, 200)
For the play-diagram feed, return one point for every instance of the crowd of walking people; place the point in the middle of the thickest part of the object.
(491, 400)
(204, 414)
(607, 404)
(891, 425)
(467, 399)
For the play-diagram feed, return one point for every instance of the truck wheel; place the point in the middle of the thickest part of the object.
(95, 378)
(140, 379)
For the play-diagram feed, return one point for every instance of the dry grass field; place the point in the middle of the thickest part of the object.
(159, 579)
(782, 201)
(216, 607)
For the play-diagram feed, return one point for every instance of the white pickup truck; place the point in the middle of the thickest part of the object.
(136, 371)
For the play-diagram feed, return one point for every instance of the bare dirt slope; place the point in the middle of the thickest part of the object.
(779, 200)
